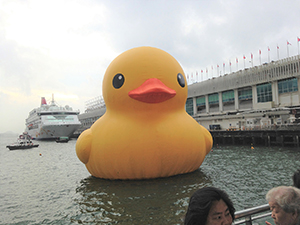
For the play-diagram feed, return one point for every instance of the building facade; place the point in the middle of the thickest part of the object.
(264, 94)
(95, 108)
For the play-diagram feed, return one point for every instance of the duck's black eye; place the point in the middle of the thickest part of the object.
(180, 80)
(118, 80)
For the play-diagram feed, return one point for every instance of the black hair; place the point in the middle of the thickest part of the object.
(201, 202)
(296, 179)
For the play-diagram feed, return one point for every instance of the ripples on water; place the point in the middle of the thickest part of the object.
(55, 187)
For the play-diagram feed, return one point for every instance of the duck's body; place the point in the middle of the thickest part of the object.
(145, 133)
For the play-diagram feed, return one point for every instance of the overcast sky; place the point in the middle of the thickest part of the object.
(64, 47)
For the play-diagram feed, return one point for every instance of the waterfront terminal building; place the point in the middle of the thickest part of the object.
(261, 97)
(95, 108)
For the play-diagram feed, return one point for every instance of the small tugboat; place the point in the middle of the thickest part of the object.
(62, 139)
(23, 142)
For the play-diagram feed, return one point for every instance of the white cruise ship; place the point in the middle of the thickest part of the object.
(52, 121)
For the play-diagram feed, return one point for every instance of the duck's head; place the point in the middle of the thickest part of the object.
(144, 78)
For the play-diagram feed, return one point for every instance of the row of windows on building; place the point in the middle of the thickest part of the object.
(89, 121)
(264, 94)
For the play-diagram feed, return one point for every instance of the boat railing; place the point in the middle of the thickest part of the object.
(246, 216)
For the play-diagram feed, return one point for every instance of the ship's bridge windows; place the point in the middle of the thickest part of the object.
(59, 118)
(288, 85)
(189, 106)
(58, 113)
(228, 96)
(264, 92)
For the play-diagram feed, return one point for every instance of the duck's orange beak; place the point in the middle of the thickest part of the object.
(152, 91)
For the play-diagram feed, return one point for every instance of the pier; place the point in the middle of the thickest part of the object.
(284, 138)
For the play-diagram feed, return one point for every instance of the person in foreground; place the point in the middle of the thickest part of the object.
(284, 202)
(209, 206)
(296, 179)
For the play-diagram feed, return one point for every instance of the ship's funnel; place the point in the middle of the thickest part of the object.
(43, 101)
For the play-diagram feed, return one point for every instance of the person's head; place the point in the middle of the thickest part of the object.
(296, 179)
(284, 203)
(209, 206)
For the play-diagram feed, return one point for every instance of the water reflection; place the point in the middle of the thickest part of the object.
(155, 201)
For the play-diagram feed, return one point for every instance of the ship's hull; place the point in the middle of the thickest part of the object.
(53, 131)
(17, 147)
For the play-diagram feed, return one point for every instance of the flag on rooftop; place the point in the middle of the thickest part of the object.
(298, 40)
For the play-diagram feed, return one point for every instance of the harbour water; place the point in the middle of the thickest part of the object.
(49, 185)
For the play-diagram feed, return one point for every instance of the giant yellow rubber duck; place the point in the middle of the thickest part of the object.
(145, 131)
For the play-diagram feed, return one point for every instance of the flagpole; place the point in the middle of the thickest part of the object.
(237, 64)
(244, 62)
(277, 52)
(230, 66)
(217, 70)
(268, 54)
(251, 59)
(298, 40)
(287, 48)
(259, 57)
